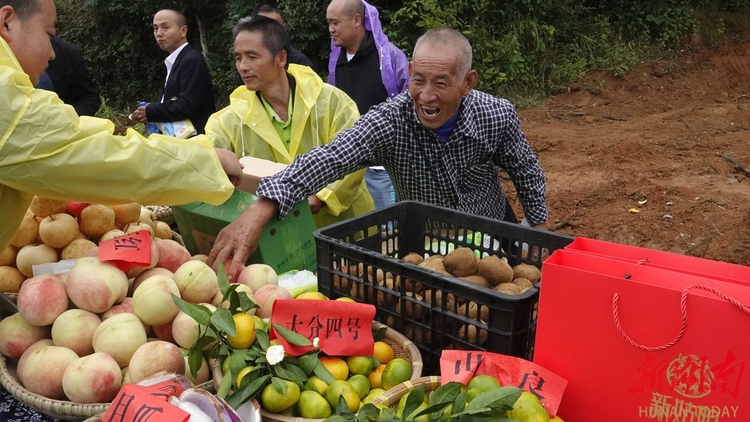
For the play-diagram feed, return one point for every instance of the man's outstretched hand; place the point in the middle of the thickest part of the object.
(237, 241)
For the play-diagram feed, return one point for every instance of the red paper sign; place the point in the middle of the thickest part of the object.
(130, 250)
(342, 328)
(463, 365)
(138, 403)
(75, 208)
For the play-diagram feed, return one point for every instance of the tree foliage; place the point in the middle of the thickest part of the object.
(521, 47)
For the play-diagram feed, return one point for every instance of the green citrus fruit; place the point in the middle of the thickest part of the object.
(276, 401)
(528, 409)
(316, 384)
(342, 388)
(313, 405)
(359, 365)
(361, 385)
(396, 371)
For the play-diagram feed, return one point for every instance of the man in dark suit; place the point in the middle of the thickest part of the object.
(188, 92)
(68, 76)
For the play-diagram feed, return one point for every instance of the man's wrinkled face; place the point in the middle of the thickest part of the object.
(255, 64)
(169, 34)
(437, 84)
(29, 39)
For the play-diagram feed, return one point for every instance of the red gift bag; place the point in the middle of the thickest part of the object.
(639, 343)
(661, 259)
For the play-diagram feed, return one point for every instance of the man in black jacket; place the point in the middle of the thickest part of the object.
(68, 76)
(188, 92)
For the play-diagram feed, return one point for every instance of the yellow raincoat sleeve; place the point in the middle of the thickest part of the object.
(47, 150)
(340, 194)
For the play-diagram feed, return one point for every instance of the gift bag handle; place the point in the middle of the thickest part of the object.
(683, 309)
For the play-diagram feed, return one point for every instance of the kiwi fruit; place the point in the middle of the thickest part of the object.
(461, 262)
(528, 271)
(433, 257)
(411, 309)
(495, 270)
(509, 288)
(476, 279)
(386, 298)
(474, 311)
(438, 301)
(473, 335)
(417, 334)
(413, 258)
(524, 283)
(434, 265)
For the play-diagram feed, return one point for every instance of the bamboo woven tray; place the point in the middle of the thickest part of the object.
(402, 348)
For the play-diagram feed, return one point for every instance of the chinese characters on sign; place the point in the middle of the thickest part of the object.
(343, 328)
(463, 365)
(130, 250)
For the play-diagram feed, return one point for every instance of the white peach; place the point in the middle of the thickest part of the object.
(95, 378)
(75, 330)
(42, 299)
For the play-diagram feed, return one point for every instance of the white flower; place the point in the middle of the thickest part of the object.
(275, 354)
(316, 343)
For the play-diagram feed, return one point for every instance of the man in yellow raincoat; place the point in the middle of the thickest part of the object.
(47, 150)
(285, 110)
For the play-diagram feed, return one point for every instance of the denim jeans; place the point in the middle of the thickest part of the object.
(380, 187)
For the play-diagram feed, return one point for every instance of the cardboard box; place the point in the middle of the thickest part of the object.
(284, 244)
(256, 169)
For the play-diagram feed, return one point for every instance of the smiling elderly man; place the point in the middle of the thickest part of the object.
(441, 142)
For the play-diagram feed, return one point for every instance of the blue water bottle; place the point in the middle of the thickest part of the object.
(150, 126)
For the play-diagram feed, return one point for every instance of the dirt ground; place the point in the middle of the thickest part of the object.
(653, 158)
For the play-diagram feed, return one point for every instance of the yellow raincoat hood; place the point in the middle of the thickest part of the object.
(320, 111)
(47, 150)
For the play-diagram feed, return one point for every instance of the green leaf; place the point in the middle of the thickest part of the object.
(291, 337)
(369, 410)
(204, 341)
(282, 370)
(261, 337)
(279, 385)
(307, 362)
(236, 364)
(379, 335)
(195, 360)
(221, 277)
(247, 391)
(459, 403)
(341, 407)
(323, 373)
(499, 399)
(245, 303)
(413, 400)
(199, 313)
(222, 320)
(341, 418)
(225, 386)
(446, 393)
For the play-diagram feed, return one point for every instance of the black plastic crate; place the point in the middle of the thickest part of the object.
(359, 258)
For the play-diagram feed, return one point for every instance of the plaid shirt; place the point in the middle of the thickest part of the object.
(459, 174)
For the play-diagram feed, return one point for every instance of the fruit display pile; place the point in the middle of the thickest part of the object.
(82, 334)
(54, 230)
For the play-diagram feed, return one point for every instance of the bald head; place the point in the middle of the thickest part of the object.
(346, 23)
(450, 41)
(173, 15)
